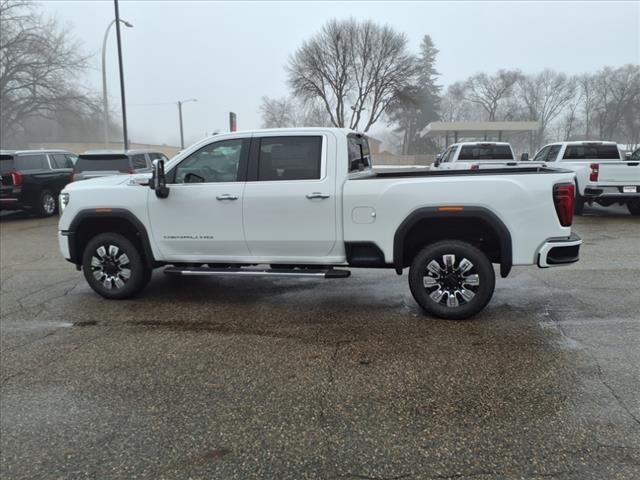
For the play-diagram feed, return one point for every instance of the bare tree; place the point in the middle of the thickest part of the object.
(490, 91)
(544, 96)
(39, 65)
(354, 69)
(618, 94)
(289, 112)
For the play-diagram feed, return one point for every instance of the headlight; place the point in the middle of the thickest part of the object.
(64, 201)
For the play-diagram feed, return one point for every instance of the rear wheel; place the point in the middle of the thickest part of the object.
(634, 206)
(113, 266)
(451, 279)
(48, 204)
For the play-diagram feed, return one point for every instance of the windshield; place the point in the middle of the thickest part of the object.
(485, 152)
(105, 162)
(591, 152)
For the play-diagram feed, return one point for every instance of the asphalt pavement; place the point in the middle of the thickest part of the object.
(216, 378)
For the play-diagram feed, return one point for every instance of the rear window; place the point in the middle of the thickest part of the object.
(290, 158)
(106, 162)
(359, 154)
(485, 152)
(591, 152)
(6, 163)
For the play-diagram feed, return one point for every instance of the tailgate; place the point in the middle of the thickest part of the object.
(619, 173)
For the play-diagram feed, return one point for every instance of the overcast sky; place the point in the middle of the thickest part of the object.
(229, 54)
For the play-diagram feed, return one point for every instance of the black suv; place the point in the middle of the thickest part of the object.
(104, 163)
(32, 179)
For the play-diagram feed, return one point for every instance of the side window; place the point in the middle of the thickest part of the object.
(290, 158)
(60, 160)
(138, 161)
(216, 162)
(541, 156)
(553, 153)
(32, 162)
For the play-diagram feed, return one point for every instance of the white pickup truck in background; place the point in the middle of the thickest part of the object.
(305, 202)
(475, 155)
(602, 175)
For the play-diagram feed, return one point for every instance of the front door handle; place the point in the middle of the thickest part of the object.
(317, 195)
(226, 196)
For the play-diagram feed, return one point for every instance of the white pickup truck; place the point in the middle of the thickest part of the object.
(305, 202)
(475, 155)
(602, 176)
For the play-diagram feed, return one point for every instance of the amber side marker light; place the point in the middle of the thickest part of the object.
(450, 209)
(104, 210)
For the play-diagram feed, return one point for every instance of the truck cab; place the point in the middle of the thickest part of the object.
(475, 155)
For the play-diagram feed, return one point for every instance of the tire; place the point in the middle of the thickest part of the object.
(106, 271)
(459, 299)
(634, 206)
(48, 204)
(578, 207)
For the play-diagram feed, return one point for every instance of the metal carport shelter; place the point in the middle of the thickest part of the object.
(478, 130)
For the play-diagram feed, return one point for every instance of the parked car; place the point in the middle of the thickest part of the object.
(473, 155)
(103, 163)
(33, 179)
(602, 175)
(307, 202)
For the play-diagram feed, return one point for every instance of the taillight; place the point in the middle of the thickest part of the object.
(595, 171)
(564, 195)
(72, 177)
(16, 179)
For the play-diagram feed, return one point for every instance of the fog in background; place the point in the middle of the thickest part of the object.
(229, 55)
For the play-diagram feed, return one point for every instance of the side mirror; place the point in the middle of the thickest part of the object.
(627, 156)
(436, 163)
(524, 157)
(158, 180)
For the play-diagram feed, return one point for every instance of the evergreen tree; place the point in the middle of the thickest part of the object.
(418, 104)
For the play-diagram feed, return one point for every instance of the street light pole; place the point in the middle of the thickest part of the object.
(122, 96)
(105, 98)
(180, 102)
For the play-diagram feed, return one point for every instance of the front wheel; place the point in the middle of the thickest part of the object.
(634, 206)
(113, 266)
(451, 279)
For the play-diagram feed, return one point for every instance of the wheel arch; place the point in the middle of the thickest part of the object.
(477, 225)
(89, 223)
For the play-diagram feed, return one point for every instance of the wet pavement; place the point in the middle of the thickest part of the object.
(331, 379)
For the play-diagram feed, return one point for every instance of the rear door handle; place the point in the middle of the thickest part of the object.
(317, 195)
(226, 196)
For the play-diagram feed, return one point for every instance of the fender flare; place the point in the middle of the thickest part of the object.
(119, 213)
(431, 213)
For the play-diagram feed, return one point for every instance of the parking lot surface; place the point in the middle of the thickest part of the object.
(345, 379)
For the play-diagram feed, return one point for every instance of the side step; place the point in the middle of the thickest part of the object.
(280, 272)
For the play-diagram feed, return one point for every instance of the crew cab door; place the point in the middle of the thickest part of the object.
(201, 219)
(289, 204)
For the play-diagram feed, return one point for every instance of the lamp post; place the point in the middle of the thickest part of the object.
(180, 102)
(105, 99)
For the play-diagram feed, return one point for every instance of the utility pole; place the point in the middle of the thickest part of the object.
(122, 96)
(180, 102)
(181, 131)
(105, 98)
